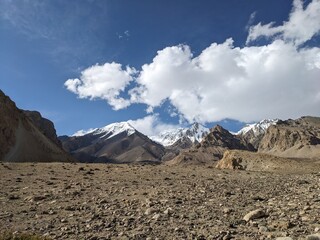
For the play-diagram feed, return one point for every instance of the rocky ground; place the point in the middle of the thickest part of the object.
(96, 201)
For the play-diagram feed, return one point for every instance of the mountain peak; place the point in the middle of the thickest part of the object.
(253, 133)
(258, 128)
(194, 133)
(109, 130)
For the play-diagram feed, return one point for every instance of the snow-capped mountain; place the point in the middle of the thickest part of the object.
(253, 133)
(194, 133)
(258, 128)
(108, 131)
(116, 143)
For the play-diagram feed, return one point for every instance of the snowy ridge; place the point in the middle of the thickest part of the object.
(108, 131)
(258, 128)
(195, 133)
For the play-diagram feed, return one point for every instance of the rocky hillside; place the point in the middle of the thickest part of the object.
(212, 147)
(115, 143)
(21, 140)
(298, 138)
(253, 133)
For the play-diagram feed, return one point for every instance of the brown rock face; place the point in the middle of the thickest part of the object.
(293, 138)
(253, 139)
(20, 140)
(221, 137)
(44, 125)
(9, 121)
(179, 146)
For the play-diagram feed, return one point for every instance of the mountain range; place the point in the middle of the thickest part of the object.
(27, 136)
(191, 135)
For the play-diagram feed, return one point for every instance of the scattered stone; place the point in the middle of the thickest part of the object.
(149, 211)
(13, 197)
(70, 208)
(227, 210)
(38, 198)
(196, 203)
(168, 211)
(156, 216)
(313, 237)
(255, 214)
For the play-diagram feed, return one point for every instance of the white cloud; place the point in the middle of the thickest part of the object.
(125, 34)
(278, 80)
(103, 81)
(247, 84)
(151, 125)
(251, 20)
(303, 24)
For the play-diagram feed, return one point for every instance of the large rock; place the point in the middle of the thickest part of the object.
(21, 140)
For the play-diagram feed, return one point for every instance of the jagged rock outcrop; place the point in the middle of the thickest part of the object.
(21, 140)
(212, 147)
(44, 125)
(115, 143)
(298, 138)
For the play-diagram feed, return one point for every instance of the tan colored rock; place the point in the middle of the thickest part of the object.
(255, 214)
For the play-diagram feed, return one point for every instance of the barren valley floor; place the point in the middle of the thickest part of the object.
(102, 201)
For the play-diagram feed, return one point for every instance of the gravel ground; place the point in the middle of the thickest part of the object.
(102, 201)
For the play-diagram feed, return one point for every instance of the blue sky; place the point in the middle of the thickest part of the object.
(161, 64)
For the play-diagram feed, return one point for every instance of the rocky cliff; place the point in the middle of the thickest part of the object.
(21, 140)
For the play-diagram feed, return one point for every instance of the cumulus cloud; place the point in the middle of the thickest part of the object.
(303, 24)
(277, 80)
(151, 125)
(247, 84)
(106, 81)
